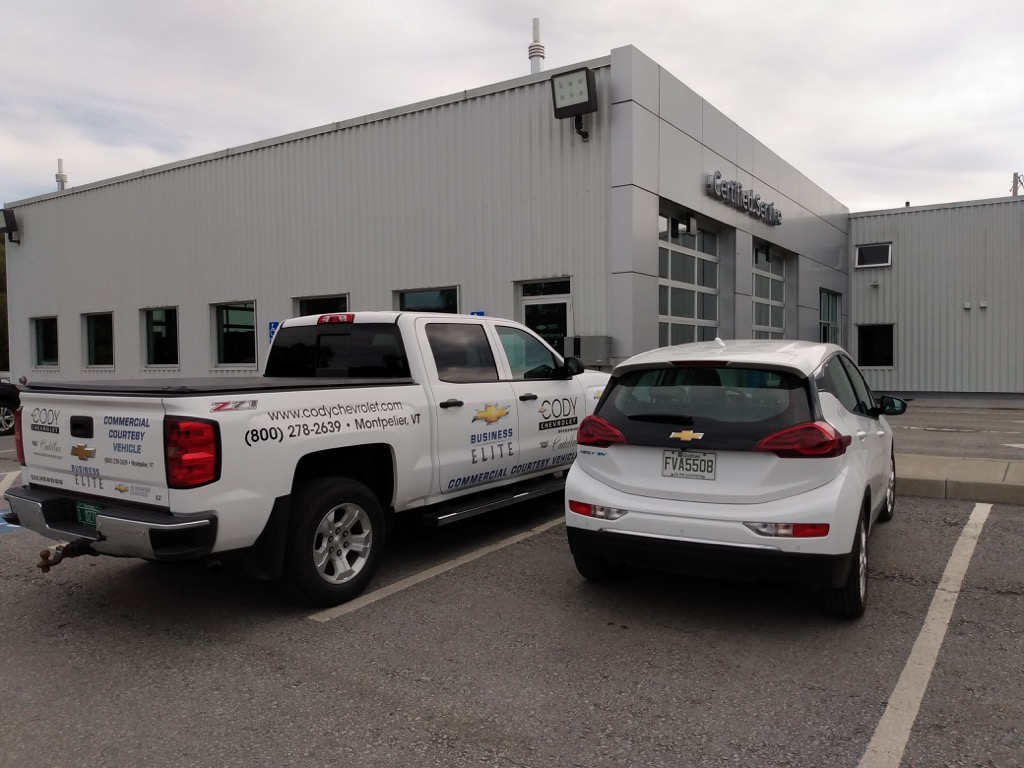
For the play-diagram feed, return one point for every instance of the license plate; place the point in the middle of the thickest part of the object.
(86, 512)
(693, 465)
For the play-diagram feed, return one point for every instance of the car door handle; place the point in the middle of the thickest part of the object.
(528, 396)
(861, 434)
(452, 403)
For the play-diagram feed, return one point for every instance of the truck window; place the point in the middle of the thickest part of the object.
(339, 350)
(461, 352)
(527, 356)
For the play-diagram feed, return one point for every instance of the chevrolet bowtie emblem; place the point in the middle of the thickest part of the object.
(83, 452)
(491, 414)
(121, 488)
(687, 435)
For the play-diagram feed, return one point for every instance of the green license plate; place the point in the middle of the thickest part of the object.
(86, 512)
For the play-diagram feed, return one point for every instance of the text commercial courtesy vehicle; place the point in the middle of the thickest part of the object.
(358, 417)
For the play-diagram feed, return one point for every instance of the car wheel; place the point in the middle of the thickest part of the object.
(890, 493)
(851, 599)
(7, 416)
(598, 568)
(335, 542)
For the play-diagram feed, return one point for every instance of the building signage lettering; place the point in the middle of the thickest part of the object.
(732, 193)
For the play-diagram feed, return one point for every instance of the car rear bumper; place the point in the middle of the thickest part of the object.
(120, 530)
(701, 559)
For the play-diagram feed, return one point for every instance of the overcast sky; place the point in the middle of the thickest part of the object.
(879, 102)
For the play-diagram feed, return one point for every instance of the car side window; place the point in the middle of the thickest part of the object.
(461, 352)
(527, 356)
(865, 400)
(835, 381)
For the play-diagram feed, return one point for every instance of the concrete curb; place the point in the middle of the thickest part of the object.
(994, 481)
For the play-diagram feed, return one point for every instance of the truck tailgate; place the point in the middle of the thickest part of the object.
(110, 447)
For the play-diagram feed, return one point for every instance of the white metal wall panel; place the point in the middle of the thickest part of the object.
(947, 261)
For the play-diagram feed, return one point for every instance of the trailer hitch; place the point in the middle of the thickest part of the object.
(50, 556)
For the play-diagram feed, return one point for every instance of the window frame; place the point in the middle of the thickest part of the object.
(688, 264)
(149, 341)
(400, 296)
(39, 341)
(826, 325)
(92, 342)
(888, 261)
(219, 337)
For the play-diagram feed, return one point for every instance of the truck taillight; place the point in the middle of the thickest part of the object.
(192, 452)
(19, 443)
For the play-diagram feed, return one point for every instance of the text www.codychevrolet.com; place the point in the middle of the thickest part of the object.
(311, 422)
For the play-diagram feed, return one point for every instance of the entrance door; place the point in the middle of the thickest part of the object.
(550, 318)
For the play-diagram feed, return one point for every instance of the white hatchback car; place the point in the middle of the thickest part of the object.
(744, 459)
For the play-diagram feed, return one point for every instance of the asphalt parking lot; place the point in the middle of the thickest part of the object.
(479, 644)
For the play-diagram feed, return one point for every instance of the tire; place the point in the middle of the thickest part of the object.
(598, 568)
(851, 599)
(890, 493)
(7, 416)
(335, 541)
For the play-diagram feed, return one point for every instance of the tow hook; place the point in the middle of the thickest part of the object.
(50, 556)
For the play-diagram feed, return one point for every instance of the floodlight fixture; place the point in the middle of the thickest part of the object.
(9, 224)
(574, 94)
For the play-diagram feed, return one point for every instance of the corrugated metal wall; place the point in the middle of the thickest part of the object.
(948, 262)
(475, 191)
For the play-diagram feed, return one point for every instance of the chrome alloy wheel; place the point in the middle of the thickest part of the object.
(890, 489)
(342, 543)
(862, 561)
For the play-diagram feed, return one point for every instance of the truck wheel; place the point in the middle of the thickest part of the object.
(335, 541)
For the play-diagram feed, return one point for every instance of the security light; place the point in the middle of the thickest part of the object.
(574, 94)
(9, 224)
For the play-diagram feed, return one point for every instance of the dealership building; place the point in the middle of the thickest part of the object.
(605, 204)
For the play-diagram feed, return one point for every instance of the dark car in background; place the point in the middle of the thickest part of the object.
(10, 399)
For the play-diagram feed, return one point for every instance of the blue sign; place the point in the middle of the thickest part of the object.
(272, 329)
(478, 313)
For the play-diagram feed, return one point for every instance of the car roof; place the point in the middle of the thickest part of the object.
(803, 357)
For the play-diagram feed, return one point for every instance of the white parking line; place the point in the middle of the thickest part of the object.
(398, 586)
(886, 747)
(7, 481)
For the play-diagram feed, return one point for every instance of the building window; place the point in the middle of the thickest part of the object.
(875, 346)
(323, 305)
(545, 307)
(828, 317)
(687, 280)
(99, 340)
(875, 255)
(161, 334)
(44, 341)
(429, 300)
(236, 333)
(769, 294)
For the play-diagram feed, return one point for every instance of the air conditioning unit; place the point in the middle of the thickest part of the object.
(590, 350)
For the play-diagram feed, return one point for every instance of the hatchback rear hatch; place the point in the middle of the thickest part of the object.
(711, 432)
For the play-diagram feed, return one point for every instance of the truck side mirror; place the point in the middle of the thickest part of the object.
(571, 367)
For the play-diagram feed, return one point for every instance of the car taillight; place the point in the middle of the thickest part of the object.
(790, 530)
(19, 443)
(598, 433)
(813, 440)
(192, 452)
(596, 510)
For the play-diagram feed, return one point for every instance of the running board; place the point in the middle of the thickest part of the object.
(478, 504)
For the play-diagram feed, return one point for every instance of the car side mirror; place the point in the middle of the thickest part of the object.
(569, 368)
(891, 406)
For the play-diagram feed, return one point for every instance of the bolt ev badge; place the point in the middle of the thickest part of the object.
(688, 435)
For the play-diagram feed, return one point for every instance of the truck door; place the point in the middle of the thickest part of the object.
(475, 412)
(550, 410)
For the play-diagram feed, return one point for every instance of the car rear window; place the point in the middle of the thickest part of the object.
(734, 407)
(339, 350)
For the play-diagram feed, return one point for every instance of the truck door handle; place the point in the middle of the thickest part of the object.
(452, 403)
(528, 396)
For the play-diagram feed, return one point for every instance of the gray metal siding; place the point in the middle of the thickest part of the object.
(943, 258)
(475, 193)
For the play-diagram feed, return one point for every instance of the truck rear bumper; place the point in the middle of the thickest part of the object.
(121, 531)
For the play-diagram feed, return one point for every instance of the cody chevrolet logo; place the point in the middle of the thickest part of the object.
(688, 435)
(559, 412)
(83, 452)
(492, 413)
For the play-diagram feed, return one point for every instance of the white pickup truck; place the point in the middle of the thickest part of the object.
(357, 417)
